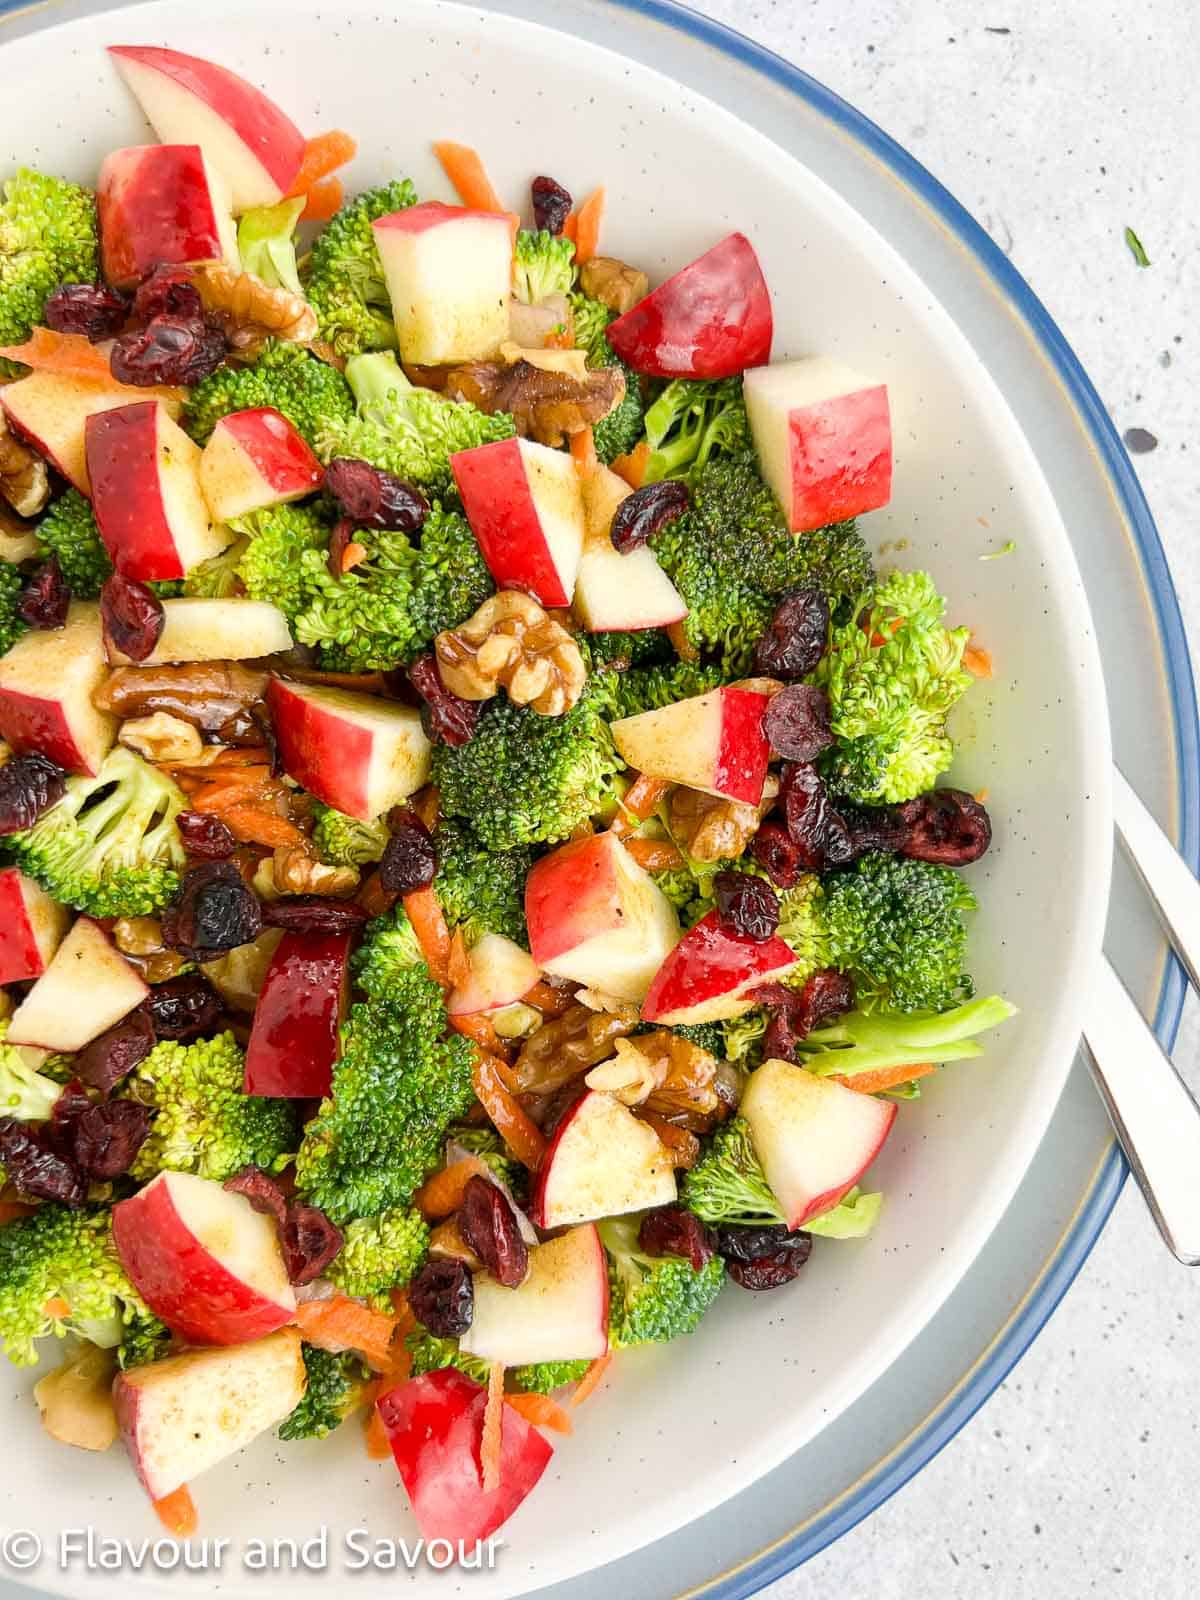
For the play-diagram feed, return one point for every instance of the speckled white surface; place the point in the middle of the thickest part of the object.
(1058, 126)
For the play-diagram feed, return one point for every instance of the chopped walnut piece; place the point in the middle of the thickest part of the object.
(664, 1073)
(511, 643)
(162, 737)
(545, 406)
(250, 311)
(296, 869)
(565, 1047)
(24, 480)
(618, 285)
(140, 940)
(711, 829)
(18, 541)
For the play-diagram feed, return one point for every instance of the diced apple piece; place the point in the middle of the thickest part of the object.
(216, 630)
(51, 411)
(525, 507)
(32, 926)
(256, 459)
(357, 752)
(596, 917)
(244, 135)
(501, 972)
(180, 1416)
(824, 439)
(87, 987)
(448, 272)
(713, 742)
(203, 1259)
(161, 203)
(618, 593)
(559, 1313)
(602, 1162)
(76, 1400)
(294, 1040)
(815, 1138)
(710, 974)
(47, 681)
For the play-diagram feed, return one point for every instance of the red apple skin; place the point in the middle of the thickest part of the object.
(29, 723)
(294, 1040)
(155, 205)
(743, 753)
(434, 1425)
(570, 896)
(307, 740)
(181, 1281)
(429, 214)
(711, 320)
(495, 493)
(122, 457)
(711, 960)
(278, 453)
(841, 457)
(20, 955)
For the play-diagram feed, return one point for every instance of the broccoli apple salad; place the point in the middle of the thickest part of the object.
(475, 880)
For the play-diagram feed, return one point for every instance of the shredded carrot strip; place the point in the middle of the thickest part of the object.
(251, 825)
(322, 155)
(478, 1026)
(570, 227)
(10, 1210)
(467, 173)
(341, 1324)
(177, 1512)
(458, 968)
(977, 661)
(56, 1307)
(884, 1078)
(492, 1440)
(405, 1320)
(323, 200)
(250, 755)
(587, 227)
(378, 1447)
(591, 1379)
(541, 1410)
(583, 452)
(433, 936)
(353, 555)
(632, 467)
(522, 1136)
(656, 855)
(442, 1194)
(551, 1002)
(374, 898)
(427, 804)
(982, 795)
(684, 648)
(642, 797)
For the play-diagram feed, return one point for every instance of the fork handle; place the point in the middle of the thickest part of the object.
(1167, 878)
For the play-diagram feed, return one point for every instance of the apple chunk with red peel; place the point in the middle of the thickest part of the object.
(602, 1162)
(51, 411)
(449, 276)
(824, 439)
(710, 974)
(216, 630)
(182, 1415)
(358, 753)
(713, 742)
(32, 926)
(500, 973)
(597, 917)
(47, 681)
(559, 1313)
(246, 137)
(815, 1138)
(615, 592)
(203, 1260)
(256, 459)
(434, 1425)
(145, 476)
(294, 1040)
(87, 987)
(711, 320)
(525, 507)
(161, 203)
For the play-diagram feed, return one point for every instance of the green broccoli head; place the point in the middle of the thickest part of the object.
(12, 625)
(691, 421)
(285, 544)
(430, 1353)
(335, 1387)
(218, 577)
(480, 890)
(48, 236)
(802, 926)
(203, 1123)
(544, 1377)
(727, 1184)
(388, 956)
(487, 1144)
(617, 433)
(27, 1095)
(267, 244)
(892, 673)
(543, 264)
(69, 531)
(343, 275)
(653, 1299)
(641, 647)
(344, 841)
(110, 846)
(627, 694)
(380, 1254)
(744, 1036)
(143, 1339)
(707, 1035)
(311, 394)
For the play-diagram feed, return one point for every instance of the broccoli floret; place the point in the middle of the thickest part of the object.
(388, 955)
(743, 1038)
(380, 1254)
(282, 542)
(343, 274)
(544, 1377)
(486, 1143)
(892, 673)
(267, 244)
(543, 264)
(872, 1041)
(203, 1123)
(641, 647)
(144, 1339)
(335, 1388)
(452, 578)
(59, 1255)
(431, 1353)
(627, 694)
(802, 926)
(653, 1299)
(707, 1035)
(48, 236)
(526, 779)
(27, 1095)
(591, 319)
(110, 846)
(218, 577)
(480, 890)
(732, 558)
(12, 626)
(727, 1184)
(344, 841)
(69, 531)
(692, 420)
(311, 394)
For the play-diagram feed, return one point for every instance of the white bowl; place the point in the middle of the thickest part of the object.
(676, 1430)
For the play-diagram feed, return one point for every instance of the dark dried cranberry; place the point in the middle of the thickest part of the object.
(184, 1008)
(168, 350)
(746, 905)
(29, 785)
(489, 1225)
(827, 994)
(874, 828)
(132, 617)
(796, 1012)
(796, 635)
(672, 1231)
(948, 826)
(45, 598)
(816, 828)
(410, 858)
(111, 1057)
(106, 1138)
(71, 1103)
(796, 722)
(87, 308)
(314, 913)
(778, 854)
(262, 1191)
(37, 1170)
(214, 911)
(169, 291)
(451, 720)
(442, 1296)
(763, 1258)
(373, 498)
(309, 1242)
(205, 836)
(551, 204)
(647, 510)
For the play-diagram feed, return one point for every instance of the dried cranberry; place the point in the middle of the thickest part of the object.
(45, 598)
(314, 913)
(168, 350)
(763, 1258)
(551, 204)
(87, 308)
(113, 1056)
(214, 911)
(796, 722)
(410, 858)
(795, 637)
(37, 1170)
(29, 785)
(948, 826)
(672, 1231)
(826, 994)
(309, 1242)
(778, 854)
(132, 617)
(442, 1296)
(747, 905)
(489, 1225)
(72, 1102)
(796, 1012)
(106, 1138)
(451, 720)
(184, 1008)
(205, 836)
(262, 1191)
(373, 498)
(816, 828)
(647, 510)
(169, 291)
(873, 828)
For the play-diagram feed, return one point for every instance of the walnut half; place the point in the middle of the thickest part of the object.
(615, 283)
(511, 643)
(24, 481)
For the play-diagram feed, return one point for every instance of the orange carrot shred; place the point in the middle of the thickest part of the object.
(587, 227)
(466, 172)
(353, 555)
(478, 1026)
(522, 1136)
(254, 826)
(340, 1323)
(977, 661)
(442, 1194)
(57, 1308)
(10, 1210)
(583, 452)
(884, 1078)
(323, 200)
(177, 1512)
(551, 1002)
(632, 467)
(591, 1379)
(433, 936)
(684, 648)
(458, 967)
(655, 855)
(492, 1440)
(541, 1410)
(322, 155)
(71, 355)
(378, 1447)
